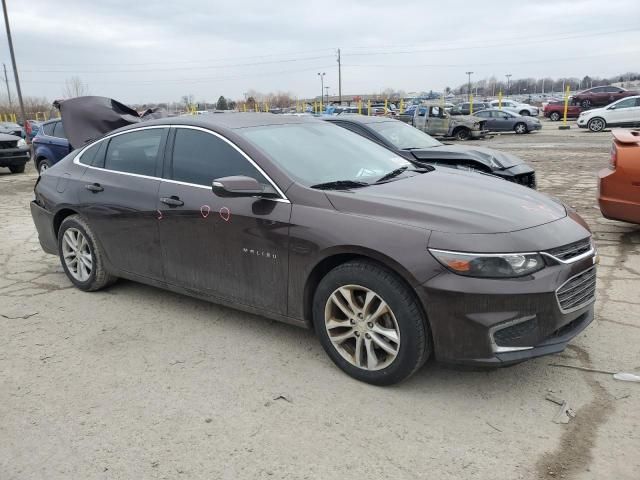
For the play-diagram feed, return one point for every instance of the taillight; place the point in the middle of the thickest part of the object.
(613, 161)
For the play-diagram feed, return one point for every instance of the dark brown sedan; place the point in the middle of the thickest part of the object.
(308, 223)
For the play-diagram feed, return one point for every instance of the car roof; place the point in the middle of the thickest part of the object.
(357, 118)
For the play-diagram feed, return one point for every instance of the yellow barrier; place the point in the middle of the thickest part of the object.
(500, 100)
(402, 105)
(470, 104)
(386, 104)
(359, 107)
(566, 106)
(369, 108)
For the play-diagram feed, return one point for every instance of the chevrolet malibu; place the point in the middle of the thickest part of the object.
(305, 222)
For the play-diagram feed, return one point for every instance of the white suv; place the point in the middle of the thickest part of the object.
(516, 107)
(621, 113)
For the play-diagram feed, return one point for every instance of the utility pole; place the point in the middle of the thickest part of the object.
(469, 86)
(327, 90)
(6, 80)
(508, 75)
(339, 79)
(13, 61)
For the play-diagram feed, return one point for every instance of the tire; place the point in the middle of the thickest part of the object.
(585, 103)
(520, 128)
(462, 133)
(597, 124)
(555, 116)
(403, 315)
(17, 168)
(43, 165)
(88, 274)
(524, 113)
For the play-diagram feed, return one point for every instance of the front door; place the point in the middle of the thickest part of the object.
(501, 121)
(118, 198)
(235, 248)
(438, 122)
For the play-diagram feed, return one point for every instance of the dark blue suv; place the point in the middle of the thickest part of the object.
(50, 145)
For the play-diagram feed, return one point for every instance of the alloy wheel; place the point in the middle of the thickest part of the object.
(521, 128)
(77, 254)
(362, 327)
(596, 125)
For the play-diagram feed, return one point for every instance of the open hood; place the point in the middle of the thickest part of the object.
(88, 118)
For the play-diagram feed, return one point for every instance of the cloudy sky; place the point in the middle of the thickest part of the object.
(158, 50)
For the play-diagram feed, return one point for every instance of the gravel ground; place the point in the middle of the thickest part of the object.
(135, 382)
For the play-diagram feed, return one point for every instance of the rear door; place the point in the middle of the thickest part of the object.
(118, 197)
(624, 113)
(236, 248)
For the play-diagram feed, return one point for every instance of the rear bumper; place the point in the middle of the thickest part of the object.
(489, 322)
(43, 220)
(479, 133)
(614, 205)
(14, 156)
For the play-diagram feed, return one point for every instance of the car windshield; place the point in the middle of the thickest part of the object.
(404, 136)
(317, 153)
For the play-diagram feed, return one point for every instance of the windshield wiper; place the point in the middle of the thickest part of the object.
(392, 174)
(340, 185)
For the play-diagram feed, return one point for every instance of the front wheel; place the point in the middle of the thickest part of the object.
(520, 128)
(596, 124)
(81, 256)
(555, 116)
(524, 113)
(370, 323)
(462, 134)
(17, 168)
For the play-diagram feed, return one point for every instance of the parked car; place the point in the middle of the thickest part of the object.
(505, 121)
(622, 113)
(50, 145)
(434, 120)
(619, 183)
(14, 153)
(11, 128)
(554, 110)
(465, 108)
(420, 148)
(31, 128)
(308, 223)
(407, 115)
(515, 107)
(601, 96)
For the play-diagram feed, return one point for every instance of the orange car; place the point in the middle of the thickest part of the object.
(619, 184)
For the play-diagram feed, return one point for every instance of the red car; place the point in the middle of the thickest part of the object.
(619, 184)
(601, 96)
(555, 110)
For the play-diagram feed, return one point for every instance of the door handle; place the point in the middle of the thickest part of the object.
(94, 187)
(172, 201)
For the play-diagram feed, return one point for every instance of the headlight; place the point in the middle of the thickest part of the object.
(22, 143)
(489, 265)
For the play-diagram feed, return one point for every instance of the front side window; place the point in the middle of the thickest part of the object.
(315, 153)
(135, 152)
(91, 157)
(626, 103)
(403, 136)
(48, 128)
(482, 114)
(200, 157)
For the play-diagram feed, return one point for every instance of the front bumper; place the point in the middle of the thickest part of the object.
(10, 157)
(495, 322)
(582, 122)
(479, 133)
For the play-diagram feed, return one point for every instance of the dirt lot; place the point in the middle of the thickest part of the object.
(135, 383)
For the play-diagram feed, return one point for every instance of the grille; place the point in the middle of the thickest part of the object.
(578, 291)
(513, 334)
(10, 144)
(567, 252)
(527, 179)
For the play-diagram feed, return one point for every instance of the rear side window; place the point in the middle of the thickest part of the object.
(135, 152)
(200, 158)
(48, 128)
(58, 130)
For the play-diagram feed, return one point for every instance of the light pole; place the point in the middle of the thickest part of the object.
(508, 75)
(469, 86)
(321, 75)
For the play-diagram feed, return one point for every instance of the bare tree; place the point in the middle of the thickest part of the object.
(73, 87)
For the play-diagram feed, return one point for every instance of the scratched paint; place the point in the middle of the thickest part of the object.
(159, 217)
(205, 210)
(225, 214)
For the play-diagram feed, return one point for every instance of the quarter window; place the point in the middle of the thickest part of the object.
(135, 152)
(200, 158)
(58, 130)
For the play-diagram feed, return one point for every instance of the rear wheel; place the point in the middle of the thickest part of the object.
(520, 128)
(370, 323)
(17, 168)
(462, 133)
(555, 116)
(43, 165)
(81, 256)
(596, 124)
(585, 103)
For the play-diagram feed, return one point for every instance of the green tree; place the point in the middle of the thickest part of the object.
(222, 103)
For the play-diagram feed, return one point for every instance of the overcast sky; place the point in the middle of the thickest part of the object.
(159, 50)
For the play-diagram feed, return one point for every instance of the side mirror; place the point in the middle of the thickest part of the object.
(237, 186)
(612, 107)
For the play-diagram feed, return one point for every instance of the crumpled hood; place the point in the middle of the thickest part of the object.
(452, 201)
(5, 137)
(491, 158)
